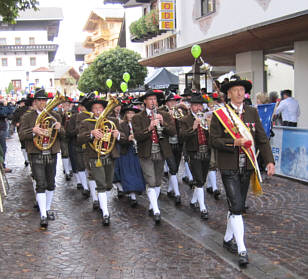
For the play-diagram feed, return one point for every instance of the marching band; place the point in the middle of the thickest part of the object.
(115, 143)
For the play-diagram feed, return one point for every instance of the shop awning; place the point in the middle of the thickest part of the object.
(272, 36)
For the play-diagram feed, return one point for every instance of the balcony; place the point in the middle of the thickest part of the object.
(25, 48)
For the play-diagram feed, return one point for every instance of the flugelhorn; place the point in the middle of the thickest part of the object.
(203, 120)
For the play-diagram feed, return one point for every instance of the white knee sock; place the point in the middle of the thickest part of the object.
(157, 191)
(132, 196)
(170, 185)
(212, 179)
(175, 184)
(25, 154)
(92, 186)
(41, 200)
(83, 179)
(237, 225)
(65, 163)
(49, 196)
(188, 172)
(200, 197)
(229, 233)
(34, 185)
(166, 168)
(153, 200)
(194, 197)
(76, 175)
(70, 165)
(103, 203)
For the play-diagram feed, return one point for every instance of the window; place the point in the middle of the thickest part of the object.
(37, 81)
(32, 61)
(18, 61)
(17, 41)
(207, 7)
(4, 62)
(2, 41)
(16, 84)
(50, 82)
(31, 41)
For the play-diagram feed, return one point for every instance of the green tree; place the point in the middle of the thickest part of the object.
(9, 89)
(113, 64)
(9, 9)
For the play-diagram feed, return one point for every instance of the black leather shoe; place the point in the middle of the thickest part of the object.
(67, 177)
(157, 218)
(177, 200)
(106, 220)
(209, 190)
(204, 215)
(79, 186)
(194, 206)
(44, 222)
(170, 194)
(216, 194)
(133, 203)
(243, 259)
(95, 205)
(185, 179)
(191, 183)
(26, 163)
(166, 174)
(86, 193)
(231, 246)
(151, 212)
(120, 194)
(51, 215)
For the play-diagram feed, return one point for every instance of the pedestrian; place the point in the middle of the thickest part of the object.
(194, 132)
(235, 131)
(152, 131)
(43, 154)
(289, 109)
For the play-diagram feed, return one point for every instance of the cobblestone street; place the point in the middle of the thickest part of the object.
(76, 245)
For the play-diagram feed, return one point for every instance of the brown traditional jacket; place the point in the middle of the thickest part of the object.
(227, 154)
(25, 132)
(141, 123)
(190, 136)
(84, 137)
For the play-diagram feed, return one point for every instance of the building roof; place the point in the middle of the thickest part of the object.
(44, 13)
(104, 13)
(61, 70)
(43, 69)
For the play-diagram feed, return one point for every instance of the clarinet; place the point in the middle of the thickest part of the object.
(131, 132)
(159, 128)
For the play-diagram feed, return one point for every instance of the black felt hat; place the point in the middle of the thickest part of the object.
(129, 107)
(196, 99)
(92, 102)
(40, 93)
(236, 81)
(158, 93)
(187, 92)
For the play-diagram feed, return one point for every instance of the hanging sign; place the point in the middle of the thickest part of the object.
(167, 14)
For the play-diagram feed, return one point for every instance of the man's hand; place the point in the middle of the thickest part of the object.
(115, 133)
(57, 126)
(97, 134)
(240, 141)
(160, 118)
(197, 122)
(131, 138)
(270, 169)
(153, 124)
(39, 131)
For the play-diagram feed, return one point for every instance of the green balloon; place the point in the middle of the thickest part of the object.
(124, 86)
(195, 51)
(126, 77)
(109, 83)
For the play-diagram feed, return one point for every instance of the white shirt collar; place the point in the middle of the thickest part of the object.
(149, 112)
(236, 108)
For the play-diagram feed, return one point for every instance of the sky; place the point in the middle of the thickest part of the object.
(75, 13)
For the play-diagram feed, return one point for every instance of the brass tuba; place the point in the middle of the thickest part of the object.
(105, 145)
(46, 121)
(177, 112)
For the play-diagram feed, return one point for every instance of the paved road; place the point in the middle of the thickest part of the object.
(77, 246)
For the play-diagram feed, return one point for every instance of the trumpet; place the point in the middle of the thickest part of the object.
(203, 120)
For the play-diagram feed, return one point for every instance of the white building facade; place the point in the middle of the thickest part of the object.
(27, 48)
